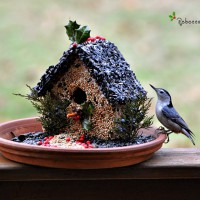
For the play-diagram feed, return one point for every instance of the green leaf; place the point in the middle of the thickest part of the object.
(87, 112)
(173, 13)
(87, 109)
(87, 125)
(170, 16)
(82, 34)
(90, 109)
(71, 28)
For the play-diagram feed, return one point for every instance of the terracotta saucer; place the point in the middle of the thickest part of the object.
(72, 158)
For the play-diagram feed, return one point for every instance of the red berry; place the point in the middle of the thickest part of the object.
(68, 139)
(100, 37)
(78, 117)
(84, 145)
(90, 146)
(92, 39)
(81, 140)
(88, 142)
(39, 143)
(51, 137)
(74, 45)
(45, 138)
(46, 142)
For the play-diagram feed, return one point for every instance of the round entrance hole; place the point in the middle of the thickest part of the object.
(79, 96)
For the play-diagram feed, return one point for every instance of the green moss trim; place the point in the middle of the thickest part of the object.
(52, 111)
(134, 116)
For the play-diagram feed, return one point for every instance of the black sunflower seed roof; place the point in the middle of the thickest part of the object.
(106, 65)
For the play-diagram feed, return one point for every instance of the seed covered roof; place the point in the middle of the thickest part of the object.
(105, 64)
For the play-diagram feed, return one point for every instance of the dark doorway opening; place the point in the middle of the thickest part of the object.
(79, 96)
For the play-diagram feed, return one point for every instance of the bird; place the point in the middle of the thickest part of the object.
(169, 117)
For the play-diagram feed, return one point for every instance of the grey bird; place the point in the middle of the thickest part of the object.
(168, 116)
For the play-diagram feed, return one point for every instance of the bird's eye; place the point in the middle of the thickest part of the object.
(161, 92)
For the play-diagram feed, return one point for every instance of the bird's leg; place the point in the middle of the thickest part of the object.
(167, 139)
(168, 132)
(161, 129)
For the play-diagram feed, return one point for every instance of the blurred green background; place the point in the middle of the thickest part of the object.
(159, 51)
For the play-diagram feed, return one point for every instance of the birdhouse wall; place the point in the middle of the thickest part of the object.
(78, 86)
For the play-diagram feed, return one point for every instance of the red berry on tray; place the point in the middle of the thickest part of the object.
(78, 142)
(39, 143)
(68, 139)
(51, 137)
(81, 140)
(46, 142)
(84, 145)
(88, 142)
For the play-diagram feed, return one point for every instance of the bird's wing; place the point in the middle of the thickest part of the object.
(173, 115)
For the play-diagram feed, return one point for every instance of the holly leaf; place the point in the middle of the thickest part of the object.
(87, 125)
(173, 13)
(82, 34)
(170, 16)
(90, 109)
(71, 28)
(87, 109)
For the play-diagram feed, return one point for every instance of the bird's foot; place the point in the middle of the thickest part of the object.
(162, 130)
(168, 132)
(167, 138)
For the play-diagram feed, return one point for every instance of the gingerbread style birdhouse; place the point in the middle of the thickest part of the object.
(104, 97)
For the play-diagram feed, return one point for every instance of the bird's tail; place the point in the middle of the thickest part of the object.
(189, 134)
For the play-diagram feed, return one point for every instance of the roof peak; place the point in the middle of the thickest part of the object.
(106, 65)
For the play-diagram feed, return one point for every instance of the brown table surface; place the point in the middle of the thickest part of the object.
(165, 164)
(169, 174)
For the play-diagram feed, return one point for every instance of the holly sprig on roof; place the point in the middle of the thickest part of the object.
(76, 32)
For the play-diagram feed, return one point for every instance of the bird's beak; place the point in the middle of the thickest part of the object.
(153, 87)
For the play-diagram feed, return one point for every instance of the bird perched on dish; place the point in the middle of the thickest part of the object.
(168, 116)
